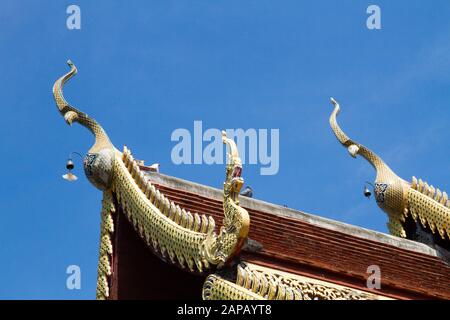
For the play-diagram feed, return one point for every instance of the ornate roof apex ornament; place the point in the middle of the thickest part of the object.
(173, 233)
(236, 222)
(398, 198)
(98, 162)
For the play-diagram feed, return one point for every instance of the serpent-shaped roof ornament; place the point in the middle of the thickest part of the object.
(398, 198)
(176, 235)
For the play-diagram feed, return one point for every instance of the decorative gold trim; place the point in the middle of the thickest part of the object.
(430, 206)
(271, 284)
(106, 247)
(217, 288)
(398, 198)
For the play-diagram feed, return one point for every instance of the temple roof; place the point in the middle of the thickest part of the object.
(321, 248)
(246, 248)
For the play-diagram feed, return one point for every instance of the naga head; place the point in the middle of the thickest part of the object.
(98, 162)
(233, 181)
(236, 219)
(389, 189)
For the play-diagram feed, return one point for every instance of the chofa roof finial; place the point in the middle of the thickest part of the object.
(72, 114)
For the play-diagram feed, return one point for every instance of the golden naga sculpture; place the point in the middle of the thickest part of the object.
(406, 204)
(174, 234)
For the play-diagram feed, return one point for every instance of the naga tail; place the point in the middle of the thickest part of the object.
(72, 114)
(354, 147)
(61, 103)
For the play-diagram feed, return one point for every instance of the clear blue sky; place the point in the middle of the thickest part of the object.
(149, 67)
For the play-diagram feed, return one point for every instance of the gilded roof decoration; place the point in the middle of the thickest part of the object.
(397, 197)
(257, 282)
(191, 240)
(176, 235)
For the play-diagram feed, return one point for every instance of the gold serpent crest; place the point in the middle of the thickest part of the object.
(236, 222)
(398, 198)
(173, 233)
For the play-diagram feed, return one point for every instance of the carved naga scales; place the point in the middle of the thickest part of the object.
(253, 282)
(401, 200)
(174, 234)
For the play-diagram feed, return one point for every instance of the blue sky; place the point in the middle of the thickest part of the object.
(147, 68)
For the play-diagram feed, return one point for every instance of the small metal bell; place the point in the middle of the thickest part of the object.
(70, 165)
(69, 176)
(367, 192)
